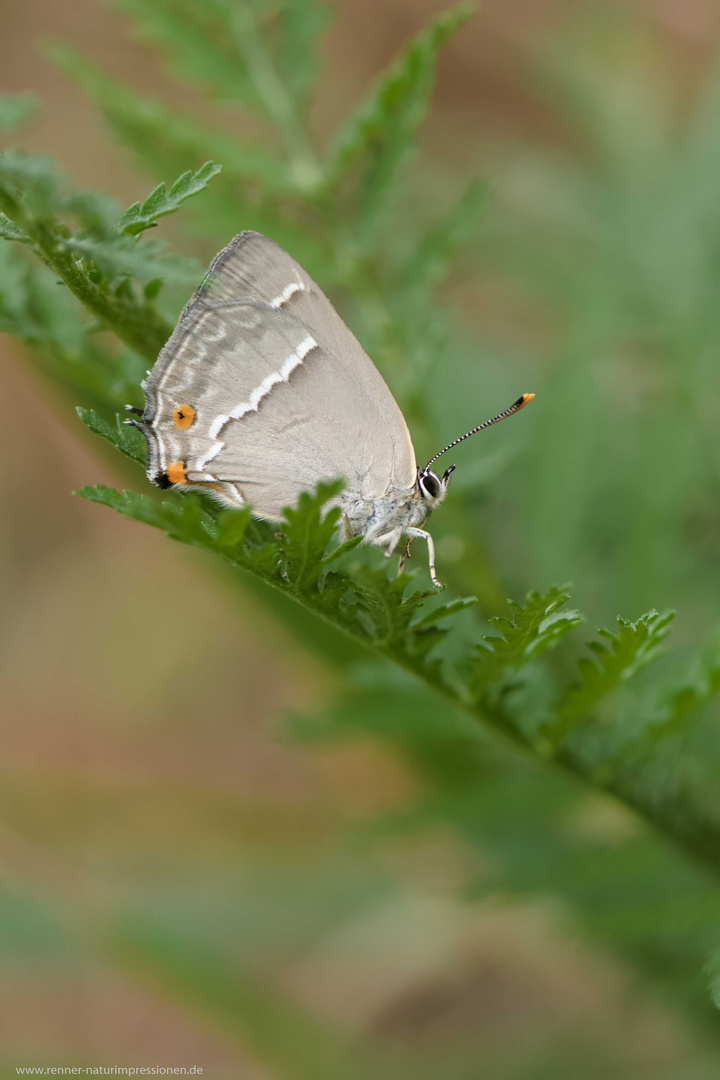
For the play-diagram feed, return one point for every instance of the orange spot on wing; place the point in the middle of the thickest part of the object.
(177, 473)
(183, 416)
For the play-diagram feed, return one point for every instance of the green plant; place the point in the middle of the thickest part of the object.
(336, 211)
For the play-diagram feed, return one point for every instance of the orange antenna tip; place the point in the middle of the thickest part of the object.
(525, 400)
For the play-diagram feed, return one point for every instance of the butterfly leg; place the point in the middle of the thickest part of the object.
(345, 528)
(420, 534)
(403, 559)
(391, 539)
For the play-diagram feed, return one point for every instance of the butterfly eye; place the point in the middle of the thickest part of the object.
(430, 485)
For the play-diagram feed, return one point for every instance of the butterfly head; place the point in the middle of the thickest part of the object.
(433, 488)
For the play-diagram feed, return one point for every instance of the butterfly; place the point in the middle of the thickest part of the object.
(262, 391)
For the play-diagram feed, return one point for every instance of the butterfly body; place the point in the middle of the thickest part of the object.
(396, 514)
(396, 509)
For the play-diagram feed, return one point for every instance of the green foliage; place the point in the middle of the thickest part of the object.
(300, 25)
(165, 142)
(374, 142)
(536, 626)
(127, 440)
(306, 535)
(609, 727)
(292, 557)
(117, 259)
(713, 971)
(160, 202)
(36, 179)
(10, 231)
(377, 613)
(432, 258)
(97, 261)
(196, 37)
(633, 647)
(16, 110)
(631, 202)
(531, 835)
(684, 703)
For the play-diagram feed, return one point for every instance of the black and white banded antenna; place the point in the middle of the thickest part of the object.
(515, 407)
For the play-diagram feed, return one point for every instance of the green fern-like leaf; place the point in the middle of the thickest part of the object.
(37, 178)
(306, 533)
(632, 648)
(10, 231)
(228, 48)
(160, 202)
(684, 702)
(186, 520)
(430, 630)
(302, 23)
(680, 707)
(166, 142)
(123, 437)
(375, 141)
(33, 198)
(120, 257)
(195, 39)
(291, 556)
(537, 625)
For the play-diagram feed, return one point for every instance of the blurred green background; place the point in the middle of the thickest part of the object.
(185, 882)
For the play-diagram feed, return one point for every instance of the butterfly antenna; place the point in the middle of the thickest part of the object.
(515, 407)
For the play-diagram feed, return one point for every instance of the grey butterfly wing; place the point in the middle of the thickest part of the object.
(278, 403)
(278, 413)
(254, 266)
